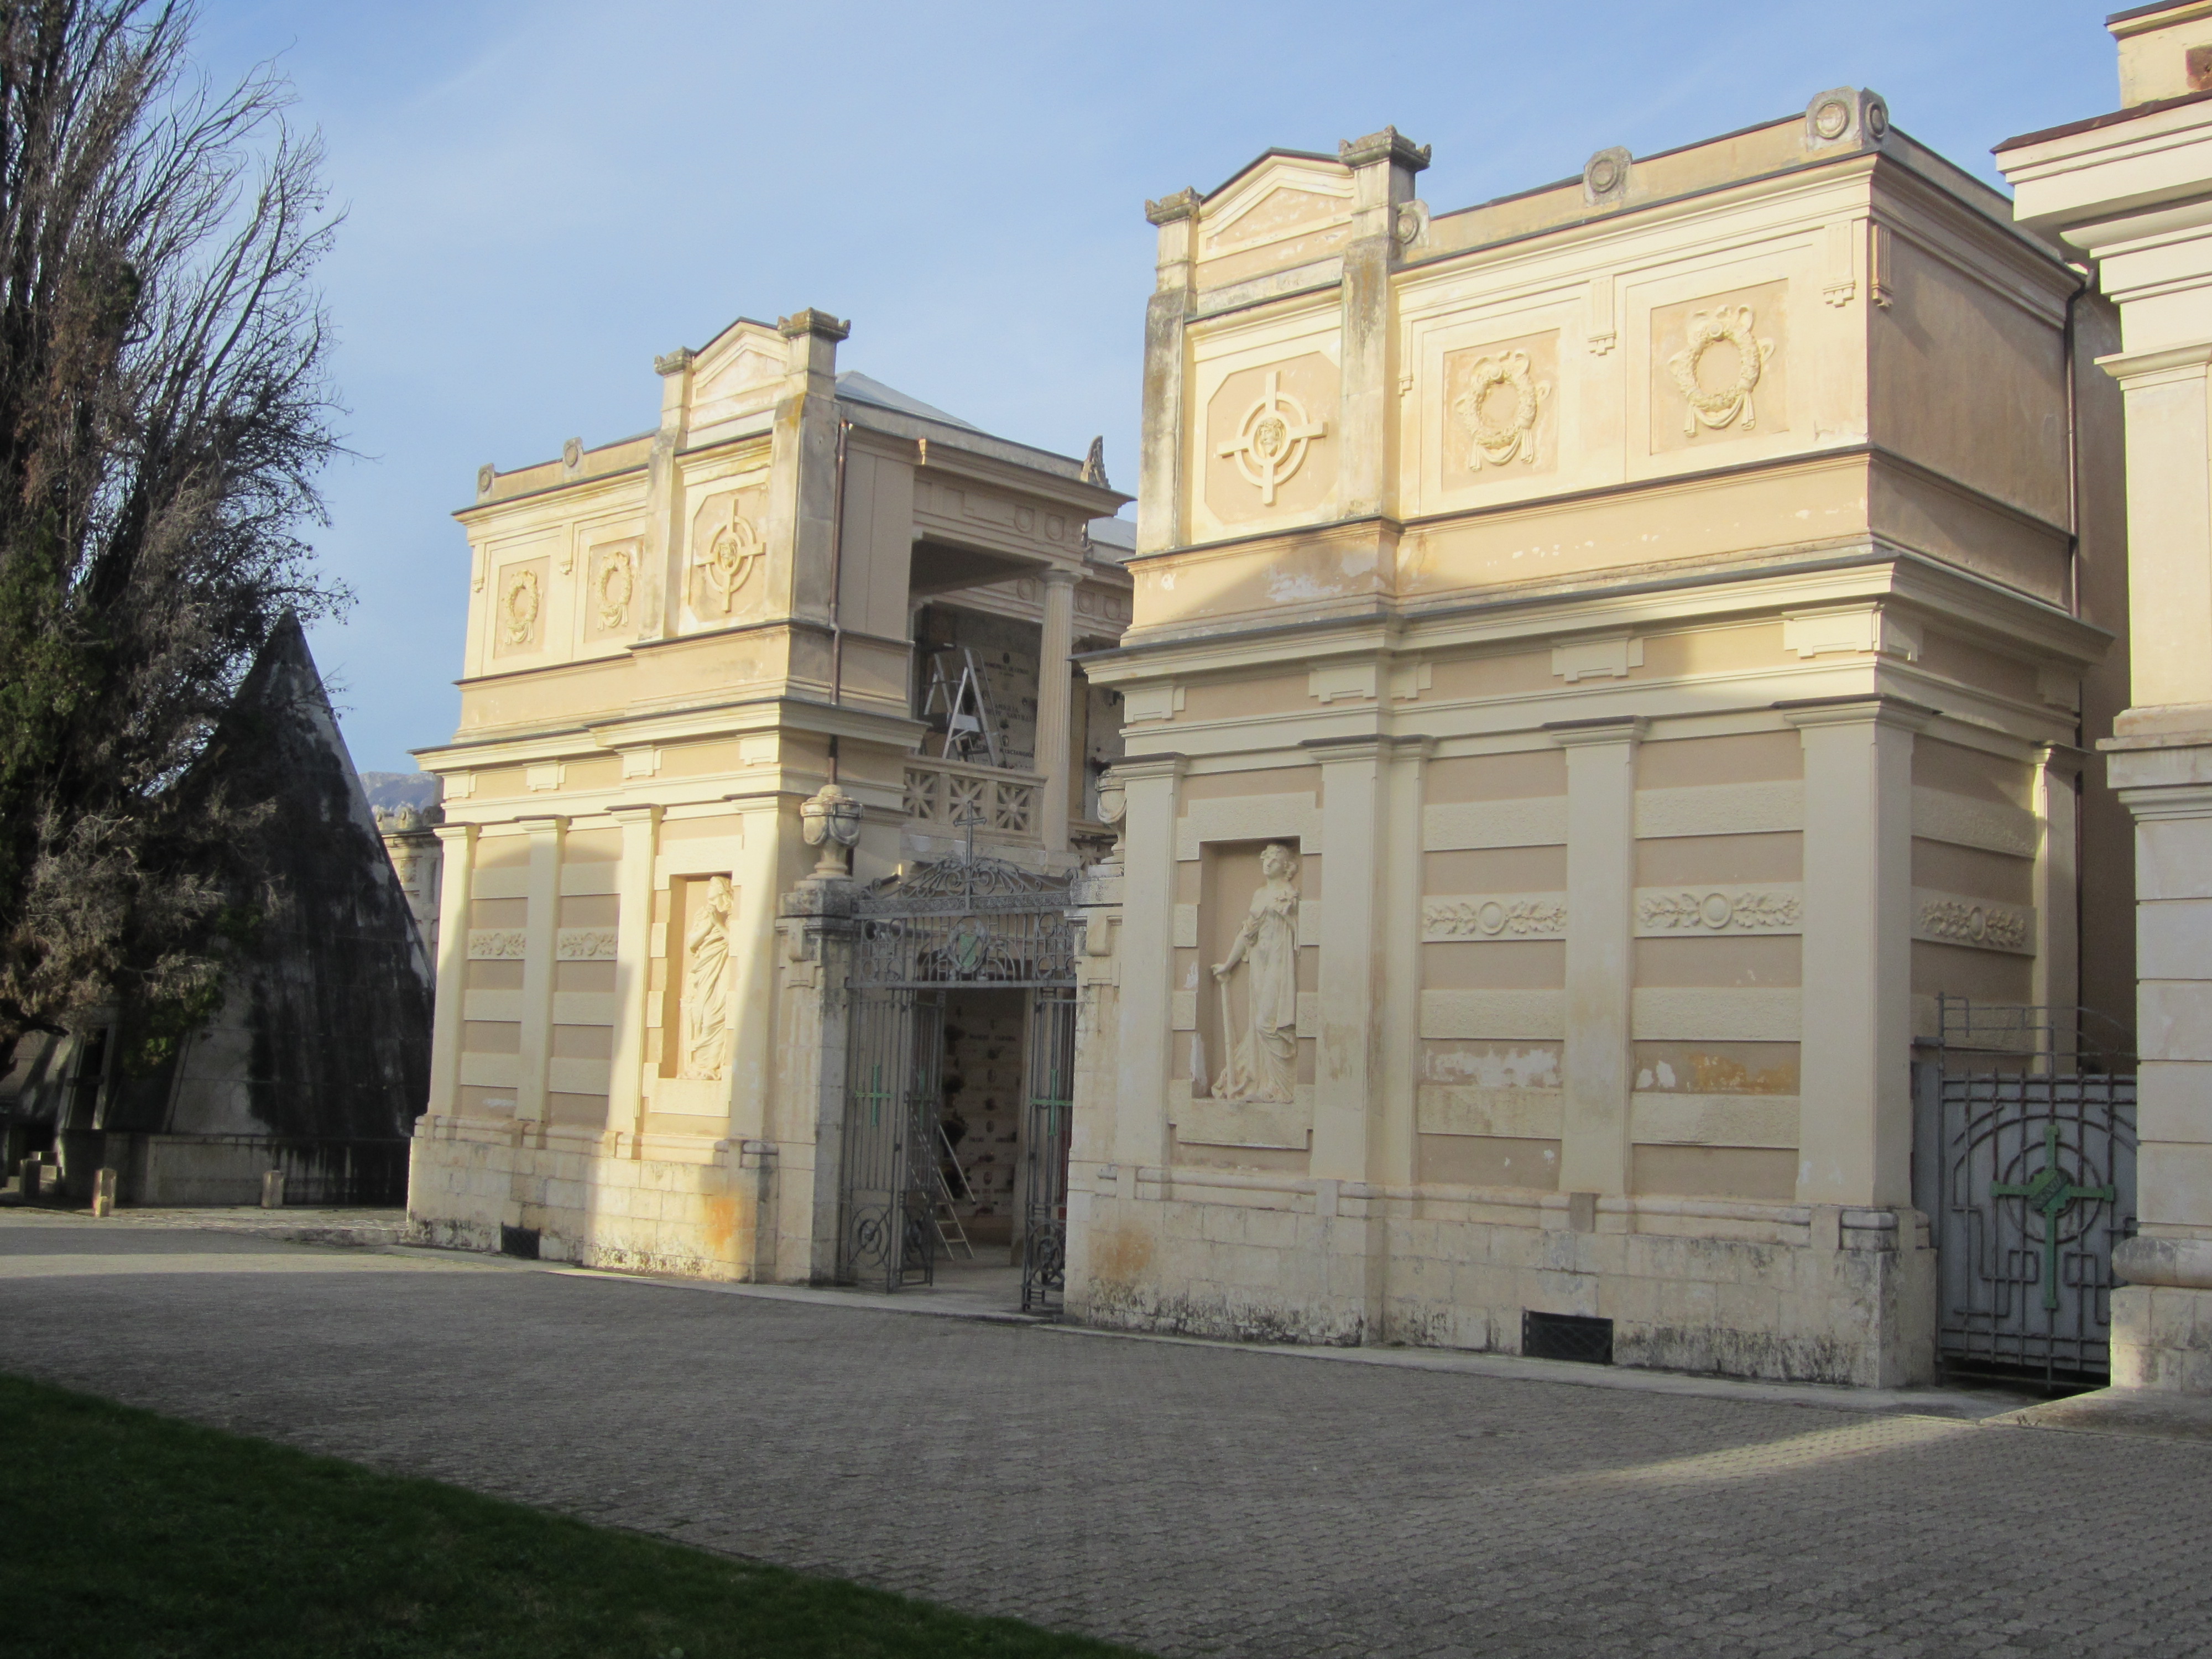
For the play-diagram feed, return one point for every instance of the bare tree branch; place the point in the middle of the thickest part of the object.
(164, 411)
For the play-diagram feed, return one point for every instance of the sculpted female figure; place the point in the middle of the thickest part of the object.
(706, 982)
(1263, 1063)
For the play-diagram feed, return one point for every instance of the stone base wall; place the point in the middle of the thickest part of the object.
(2163, 1338)
(1793, 1292)
(644, 1214)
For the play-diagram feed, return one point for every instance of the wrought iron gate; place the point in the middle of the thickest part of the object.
(939, 927)
(2030, 1181)
(896, 1046)
(1051, 1111)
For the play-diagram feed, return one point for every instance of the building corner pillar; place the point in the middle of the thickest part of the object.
(2162, 1312)
(457, 844)
(1854, 1048)
(815, 919)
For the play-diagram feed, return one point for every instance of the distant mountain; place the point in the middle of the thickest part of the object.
(390, 789)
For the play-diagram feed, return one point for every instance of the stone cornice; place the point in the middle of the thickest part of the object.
(1388, 145)
(1876, 708)
(810, 321)
(2168, 362)
(1607, 728)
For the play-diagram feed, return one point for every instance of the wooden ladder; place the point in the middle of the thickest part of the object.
(949, 1232)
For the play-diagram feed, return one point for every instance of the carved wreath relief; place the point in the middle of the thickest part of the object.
(1272, 439)
(519, 603)
(1497, 411)
(1262, 1063)
(1711, 398)
(614, 584)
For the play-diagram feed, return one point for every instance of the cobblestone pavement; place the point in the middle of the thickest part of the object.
(1185, 1500)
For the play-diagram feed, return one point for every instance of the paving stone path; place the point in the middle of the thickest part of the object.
(1184, 1499)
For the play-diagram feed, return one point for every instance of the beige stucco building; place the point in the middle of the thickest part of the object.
(2130, 193)
(1604, 662)
(674, 641)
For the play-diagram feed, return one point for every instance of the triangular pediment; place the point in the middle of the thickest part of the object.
(1281, 196)
(738, 370)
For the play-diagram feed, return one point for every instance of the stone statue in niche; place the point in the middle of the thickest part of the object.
(1262, 1059)
(706, 983)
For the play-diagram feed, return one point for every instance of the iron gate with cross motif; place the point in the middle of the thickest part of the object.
(2027, 1171)
(924, 935)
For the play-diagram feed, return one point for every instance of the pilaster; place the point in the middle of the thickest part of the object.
(1054, 702)
(2057, 878)
(1391, 1143)
(1152, 784)
(547, 836)
(1347, 1061)
(457, 868)
(1162, 514)
(1855, 1115)
(640, 837)
(818, 934)
(661, 569)
(2168, 403)
(803, 469)
(1598, 1062)
(1383, 165)
(758, 881)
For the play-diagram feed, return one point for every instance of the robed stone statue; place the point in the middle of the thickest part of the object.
(1262, 1059)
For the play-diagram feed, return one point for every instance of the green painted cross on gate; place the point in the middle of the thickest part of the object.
(2049, 1191)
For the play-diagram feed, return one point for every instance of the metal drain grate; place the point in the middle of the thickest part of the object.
(1567, 1336)
(519, 1240)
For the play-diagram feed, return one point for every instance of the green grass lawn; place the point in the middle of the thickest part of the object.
(123, 1533)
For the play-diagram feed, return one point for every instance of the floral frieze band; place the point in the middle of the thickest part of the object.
(1494, 916)
(584, 944)
(496, 944)
(1978, 924)
(1661, 911)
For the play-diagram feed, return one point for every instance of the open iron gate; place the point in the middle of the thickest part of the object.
(935, 929)
(1051, 1107)
(895, 1047)
(2026, 1170)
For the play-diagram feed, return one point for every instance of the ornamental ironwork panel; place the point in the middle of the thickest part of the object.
(887, 1180)
(1050, 1107)
(965, 922)
(2034, 1168)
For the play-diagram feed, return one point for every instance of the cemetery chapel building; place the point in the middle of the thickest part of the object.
(1600, 679)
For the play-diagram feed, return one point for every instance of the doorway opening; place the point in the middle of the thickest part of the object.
(960, 1050)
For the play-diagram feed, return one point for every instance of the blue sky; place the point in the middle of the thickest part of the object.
(540, 198)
